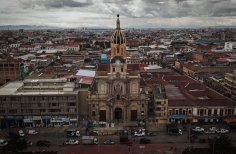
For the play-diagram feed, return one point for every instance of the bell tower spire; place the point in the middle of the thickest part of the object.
(118, 22)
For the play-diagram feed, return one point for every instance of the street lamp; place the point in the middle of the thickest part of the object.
(214, 144)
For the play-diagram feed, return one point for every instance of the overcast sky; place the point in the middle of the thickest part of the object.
(133, 13)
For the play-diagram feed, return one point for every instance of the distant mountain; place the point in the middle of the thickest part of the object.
(15, 27)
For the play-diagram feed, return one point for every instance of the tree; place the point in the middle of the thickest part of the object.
(222, 145)
(14, 145)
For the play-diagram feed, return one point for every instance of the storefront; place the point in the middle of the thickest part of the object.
(28, 123)
(13, 121)
(178, 119)
(74, 122)
(60, 121)
(214, 119)
(2, 122)
(46, 121)
(37, 121)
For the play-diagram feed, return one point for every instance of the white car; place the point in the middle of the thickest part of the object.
(213, 129)
(72, 142)
(29, 143)
(110, 142)
(21, 133)
(198, 129)
(139, 134)
(222, 131)
(209, 132)
(77, 133)
(32, 132)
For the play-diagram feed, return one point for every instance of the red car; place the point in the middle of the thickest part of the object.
(129, 142)
(193, 136)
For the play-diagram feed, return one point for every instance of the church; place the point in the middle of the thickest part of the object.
(115, 93)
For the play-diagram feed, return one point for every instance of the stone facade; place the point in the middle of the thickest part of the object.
(117, 95)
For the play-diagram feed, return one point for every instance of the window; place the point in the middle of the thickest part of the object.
(189, 111)
(114, 69)
(122, 69)
(184, 112)
(93, 113)
(142, 105)
(177, 112)
(170, 112)
(93, 105)
(118, 97)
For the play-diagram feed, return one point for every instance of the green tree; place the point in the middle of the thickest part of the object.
(222, 145)
(15, 145)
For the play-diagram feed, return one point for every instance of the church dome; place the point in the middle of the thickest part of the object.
(118, 37)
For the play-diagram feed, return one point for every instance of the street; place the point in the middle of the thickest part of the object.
(57, 136)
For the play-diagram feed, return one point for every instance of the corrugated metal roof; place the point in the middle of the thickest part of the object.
(173, 93)
(86, 73)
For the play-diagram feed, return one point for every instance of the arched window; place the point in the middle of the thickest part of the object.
(118, 97)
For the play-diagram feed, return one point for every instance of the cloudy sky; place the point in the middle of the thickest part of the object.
(133, 13)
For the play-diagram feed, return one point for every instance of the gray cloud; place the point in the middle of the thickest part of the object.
(54, 3)
(135, 12)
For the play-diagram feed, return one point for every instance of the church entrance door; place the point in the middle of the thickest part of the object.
(102, 115)
(118, 113)
(134, 115)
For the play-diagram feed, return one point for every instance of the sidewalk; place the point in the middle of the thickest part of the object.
(60, 150)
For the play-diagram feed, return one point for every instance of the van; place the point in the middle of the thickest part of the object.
(3, 142)
(32, 132)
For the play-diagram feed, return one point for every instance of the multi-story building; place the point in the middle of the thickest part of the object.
(230, 84)
(39, 102)
(10, 69)
(160, 104)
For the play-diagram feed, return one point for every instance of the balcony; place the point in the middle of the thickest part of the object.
(177, 116)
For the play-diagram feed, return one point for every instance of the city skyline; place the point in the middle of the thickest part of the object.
(133, 13)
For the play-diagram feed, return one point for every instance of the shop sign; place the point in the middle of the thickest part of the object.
(58, 116)
(13, 117)
(37, 118)
(177, 116)
(27, 120)
(45, 117)
(73, 119)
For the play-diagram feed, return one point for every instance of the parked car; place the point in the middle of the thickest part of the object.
(77, 133)
(151, 134)
(32, 132)
(145, 141)
(138, 134)
(209, 132)
(129, 142)
(29, 143)
(222, 131)
(213, 129)
(21, 133)
(43, 143)
(108, 142)
(198, 129)
(72, 142)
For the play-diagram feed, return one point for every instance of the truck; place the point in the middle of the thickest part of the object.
(174, 130)
(89, 140)
(123, 139)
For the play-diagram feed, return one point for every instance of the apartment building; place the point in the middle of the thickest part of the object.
(39, 103)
